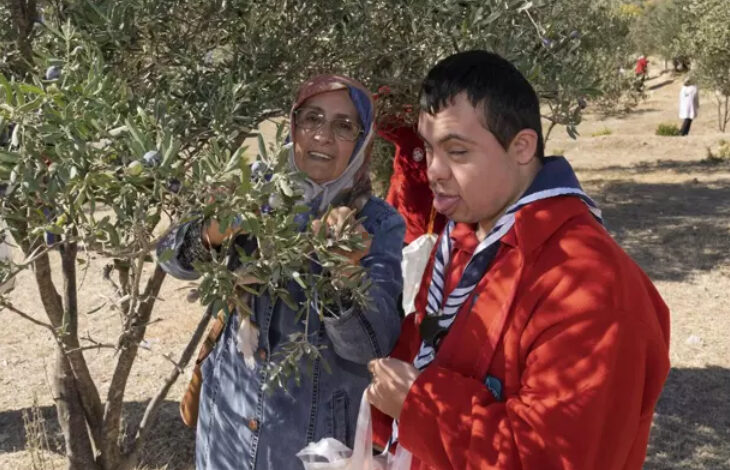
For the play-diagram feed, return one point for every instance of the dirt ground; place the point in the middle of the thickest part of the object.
(662, 200)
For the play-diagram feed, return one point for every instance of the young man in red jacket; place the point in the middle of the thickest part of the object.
(537, 342)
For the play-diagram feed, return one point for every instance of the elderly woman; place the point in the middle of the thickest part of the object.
(241, 425)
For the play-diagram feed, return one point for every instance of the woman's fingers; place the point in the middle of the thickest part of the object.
(248, 279)
(316, 225)
(339, 217)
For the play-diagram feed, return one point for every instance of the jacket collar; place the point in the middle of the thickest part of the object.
(537, 222)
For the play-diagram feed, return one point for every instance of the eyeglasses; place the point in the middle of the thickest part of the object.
(313, 119)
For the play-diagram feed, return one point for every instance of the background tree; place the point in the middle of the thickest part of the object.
(656, 27)
(708, 38)
(122, 118)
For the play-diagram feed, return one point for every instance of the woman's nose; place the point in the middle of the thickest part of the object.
(324, 134)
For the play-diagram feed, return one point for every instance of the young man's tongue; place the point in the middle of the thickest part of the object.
(445, 204)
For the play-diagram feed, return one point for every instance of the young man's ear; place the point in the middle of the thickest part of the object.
(524, 146)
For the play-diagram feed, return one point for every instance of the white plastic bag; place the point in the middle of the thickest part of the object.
(331, 454)
(415, 259)
(326, 454)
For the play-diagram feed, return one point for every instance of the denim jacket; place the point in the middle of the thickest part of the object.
(243, 426)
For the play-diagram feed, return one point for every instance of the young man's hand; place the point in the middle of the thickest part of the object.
(392, 379)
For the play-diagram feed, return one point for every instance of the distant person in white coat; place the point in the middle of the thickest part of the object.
(689, 104)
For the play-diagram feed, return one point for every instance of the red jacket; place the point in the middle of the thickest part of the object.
(576, 334)
(409, 191)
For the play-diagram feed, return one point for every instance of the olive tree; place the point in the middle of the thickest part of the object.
(121, 119)
(656, 28)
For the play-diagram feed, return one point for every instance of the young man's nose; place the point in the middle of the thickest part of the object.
(437, 169)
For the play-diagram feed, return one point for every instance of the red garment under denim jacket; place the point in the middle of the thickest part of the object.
(409, 191)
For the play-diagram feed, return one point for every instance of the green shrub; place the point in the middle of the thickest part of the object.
(604, 131)
(722, 153)
(667, 129)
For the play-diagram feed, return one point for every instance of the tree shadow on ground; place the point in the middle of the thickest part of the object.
(621, 115)
(170, 444)
(692, 421)
(661, 73)
(660, 84)
(671, 230)
(691, 426)
(676, 166)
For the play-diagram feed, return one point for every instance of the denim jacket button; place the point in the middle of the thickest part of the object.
(261, 353)
(253, 425)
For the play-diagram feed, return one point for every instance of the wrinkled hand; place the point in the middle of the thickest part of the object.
(337, 219)
(212, 235)
(392, 379)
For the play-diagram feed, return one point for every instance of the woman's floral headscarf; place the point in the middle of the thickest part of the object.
(352, 187)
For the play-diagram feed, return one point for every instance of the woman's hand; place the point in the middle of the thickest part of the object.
(337, 219)
(213, 236)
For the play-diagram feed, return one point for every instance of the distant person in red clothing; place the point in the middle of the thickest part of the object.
(641, 71)
(536, 342)
(409, 192)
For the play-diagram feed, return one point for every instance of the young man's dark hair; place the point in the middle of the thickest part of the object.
(509, 101)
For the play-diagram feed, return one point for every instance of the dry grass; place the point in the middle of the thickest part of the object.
(602, 132)
(663, 201)
(37, 443)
